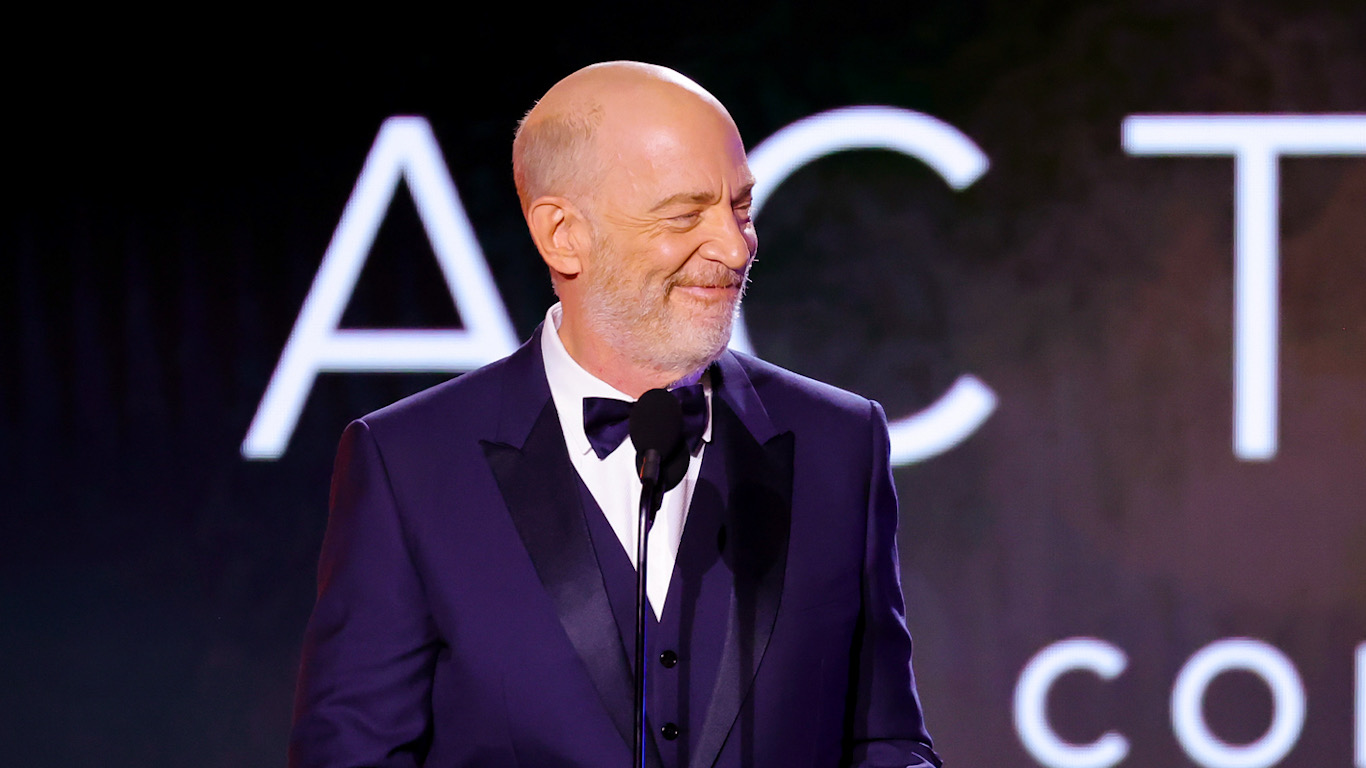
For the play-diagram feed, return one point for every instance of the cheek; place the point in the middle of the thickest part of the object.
(668, 256)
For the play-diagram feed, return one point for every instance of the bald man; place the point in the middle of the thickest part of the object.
(476, 594)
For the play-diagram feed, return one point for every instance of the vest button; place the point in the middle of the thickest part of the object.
(670, 731)
(669, 659)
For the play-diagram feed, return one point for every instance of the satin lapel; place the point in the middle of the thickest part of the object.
(758, 516)
(539, 486)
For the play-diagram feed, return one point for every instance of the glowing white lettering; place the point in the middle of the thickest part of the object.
(405, 147)
(1361, 707)
(1031, 698)
(962, 409)
(1256, 142)
(1287, 704)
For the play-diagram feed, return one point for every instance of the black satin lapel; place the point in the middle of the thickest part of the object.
(540, 488)
(758, 518)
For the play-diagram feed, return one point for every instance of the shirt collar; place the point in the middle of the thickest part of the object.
(570, 384)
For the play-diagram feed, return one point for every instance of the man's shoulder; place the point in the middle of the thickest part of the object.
(783, 390)
(468, 399)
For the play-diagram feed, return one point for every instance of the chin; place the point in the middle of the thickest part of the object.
(698, 345)
(672, 337)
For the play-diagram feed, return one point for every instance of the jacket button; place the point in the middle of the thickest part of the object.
(669, 659)
(670, 731)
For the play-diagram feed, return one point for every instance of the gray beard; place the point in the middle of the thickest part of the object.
(648, 336)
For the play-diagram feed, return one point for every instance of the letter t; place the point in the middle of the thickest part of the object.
(1256, 142)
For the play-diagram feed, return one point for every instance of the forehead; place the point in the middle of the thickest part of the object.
(673, 148)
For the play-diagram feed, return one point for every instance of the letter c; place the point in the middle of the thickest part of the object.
(1031, 699)
(962, 409)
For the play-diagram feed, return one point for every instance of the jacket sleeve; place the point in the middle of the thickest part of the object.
(886, 725)
(364, 688)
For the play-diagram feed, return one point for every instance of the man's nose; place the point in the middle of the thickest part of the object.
(732, 240)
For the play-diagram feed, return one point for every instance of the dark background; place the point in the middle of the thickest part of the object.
(171, 196)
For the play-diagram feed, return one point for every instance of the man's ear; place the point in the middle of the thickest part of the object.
(561, 233)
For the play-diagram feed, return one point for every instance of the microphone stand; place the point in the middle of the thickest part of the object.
(649, 481)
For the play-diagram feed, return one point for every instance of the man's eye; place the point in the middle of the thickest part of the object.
(685, 218)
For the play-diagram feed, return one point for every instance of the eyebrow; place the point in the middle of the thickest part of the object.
(700, 198)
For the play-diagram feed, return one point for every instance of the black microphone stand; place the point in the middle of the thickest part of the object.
(649, 482)
(656, 426)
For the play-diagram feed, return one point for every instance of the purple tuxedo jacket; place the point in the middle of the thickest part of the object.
(475, 610)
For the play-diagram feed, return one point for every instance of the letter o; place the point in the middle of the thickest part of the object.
(1287, 704)
(1031, 698)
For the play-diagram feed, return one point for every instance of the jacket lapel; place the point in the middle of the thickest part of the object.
(757, 493)
(531, 465)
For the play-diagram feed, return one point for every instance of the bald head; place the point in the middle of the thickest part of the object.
(556, 151)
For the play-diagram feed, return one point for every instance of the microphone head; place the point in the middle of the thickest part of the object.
(656, 422)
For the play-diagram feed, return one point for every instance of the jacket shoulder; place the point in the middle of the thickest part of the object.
(776, 381)
(466, 402)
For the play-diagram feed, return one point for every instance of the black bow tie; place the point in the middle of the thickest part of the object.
(606, 421)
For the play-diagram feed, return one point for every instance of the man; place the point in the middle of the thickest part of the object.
(476, 584)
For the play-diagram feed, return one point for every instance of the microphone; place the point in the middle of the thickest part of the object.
(656, 428)
(656, 424)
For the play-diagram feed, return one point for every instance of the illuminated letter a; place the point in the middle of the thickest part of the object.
(404, 148)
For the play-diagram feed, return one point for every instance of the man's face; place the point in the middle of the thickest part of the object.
(673, 240)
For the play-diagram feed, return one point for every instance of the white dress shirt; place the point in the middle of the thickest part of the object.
(613, 481)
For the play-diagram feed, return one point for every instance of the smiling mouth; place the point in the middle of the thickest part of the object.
(718, 287)
(711, 292)
(710, 286)
(717, 283)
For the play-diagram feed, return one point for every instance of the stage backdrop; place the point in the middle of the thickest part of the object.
(1102, 262)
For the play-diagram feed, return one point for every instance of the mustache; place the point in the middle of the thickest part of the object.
(719, 277)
